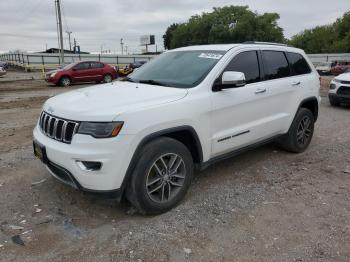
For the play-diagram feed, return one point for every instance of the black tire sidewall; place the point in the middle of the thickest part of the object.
(150, 153)
(65, 77)
(106, 75)
(302, 112)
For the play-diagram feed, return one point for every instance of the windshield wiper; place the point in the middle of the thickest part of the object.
(152, 82)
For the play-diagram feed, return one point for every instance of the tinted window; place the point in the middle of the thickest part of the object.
(298, 64)
(275, 65)
(97, 65)
(82, 66)
(247, 63)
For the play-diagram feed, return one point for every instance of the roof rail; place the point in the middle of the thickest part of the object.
(263, 43)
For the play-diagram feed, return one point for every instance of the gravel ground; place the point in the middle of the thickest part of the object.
(264, 205)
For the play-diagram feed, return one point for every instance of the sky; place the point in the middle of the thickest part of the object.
(30, 25)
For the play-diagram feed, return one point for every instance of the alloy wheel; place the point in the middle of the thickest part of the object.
(304, 131)
(165, 178)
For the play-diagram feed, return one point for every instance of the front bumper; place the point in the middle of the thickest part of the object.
(63, 160)
(340, 93)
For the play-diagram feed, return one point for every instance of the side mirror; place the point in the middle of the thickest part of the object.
(229, 79)
(233, 79)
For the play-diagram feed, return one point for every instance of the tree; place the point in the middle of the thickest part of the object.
(331, 38)
(229, 24)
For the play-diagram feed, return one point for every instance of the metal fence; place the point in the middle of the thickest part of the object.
(48, 61)
(320, 58)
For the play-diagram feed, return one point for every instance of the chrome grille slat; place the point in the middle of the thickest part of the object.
(57, 128)
(64, 127)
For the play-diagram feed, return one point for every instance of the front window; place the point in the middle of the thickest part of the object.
(181, 69)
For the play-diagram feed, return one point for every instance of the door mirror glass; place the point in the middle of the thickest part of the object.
(231, 79)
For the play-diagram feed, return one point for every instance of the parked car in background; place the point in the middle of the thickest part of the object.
(340, 67)
(2, 71)
(189, 107)
(339, 89)
(324, 68)
(87, 71)
(4, 65)
(128, 69)
(138, 64)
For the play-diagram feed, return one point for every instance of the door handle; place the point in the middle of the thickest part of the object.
(296, 83)
(260, 90)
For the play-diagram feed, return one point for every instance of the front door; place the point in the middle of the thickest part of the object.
(82, 72)
(245, 115)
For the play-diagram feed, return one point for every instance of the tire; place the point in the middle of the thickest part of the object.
(107, 78)
(300, 132)
(65, 81)
(148, 188)
(333, 101)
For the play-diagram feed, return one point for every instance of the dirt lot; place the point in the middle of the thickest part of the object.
(265, 205)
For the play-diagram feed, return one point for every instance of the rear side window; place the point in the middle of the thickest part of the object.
(298, 64)
(275, 65)
(247, 63)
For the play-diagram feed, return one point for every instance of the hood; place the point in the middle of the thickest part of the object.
(343, 77)
(105, 102)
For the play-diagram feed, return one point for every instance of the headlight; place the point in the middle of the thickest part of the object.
(336, 80)
(100, 129)
(53, 74)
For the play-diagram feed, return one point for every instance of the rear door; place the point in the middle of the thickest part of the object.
(96, 71)
(82, 72)
(284, 89)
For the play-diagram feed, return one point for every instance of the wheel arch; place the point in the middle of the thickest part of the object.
(310, 103)
(184, 134)
(65, 75)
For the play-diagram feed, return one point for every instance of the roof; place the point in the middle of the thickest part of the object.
(227, 47)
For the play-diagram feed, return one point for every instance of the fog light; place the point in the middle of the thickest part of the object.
(332, 86)
(89, 165)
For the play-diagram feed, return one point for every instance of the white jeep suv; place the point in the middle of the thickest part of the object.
(142, 137)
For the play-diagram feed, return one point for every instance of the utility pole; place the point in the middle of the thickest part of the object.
(75, 45)
(70, 44)
(122, 45)
(59, 18)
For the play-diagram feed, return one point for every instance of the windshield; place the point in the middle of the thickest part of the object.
(69, 66)
(347, 70)
(182, 69)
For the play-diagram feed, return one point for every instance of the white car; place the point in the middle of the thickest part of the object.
(339, 89)
(2, 71)
(141, 138)
(324, 68)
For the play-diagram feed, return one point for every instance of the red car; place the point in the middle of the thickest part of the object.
(87, 71)
(340, 67)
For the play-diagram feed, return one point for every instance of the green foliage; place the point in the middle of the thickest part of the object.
(229, 24)
(334, 38)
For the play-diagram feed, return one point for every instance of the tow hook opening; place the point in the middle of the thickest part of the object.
(89, 165)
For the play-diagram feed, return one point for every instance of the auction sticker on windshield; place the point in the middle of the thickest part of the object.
(210, 55)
